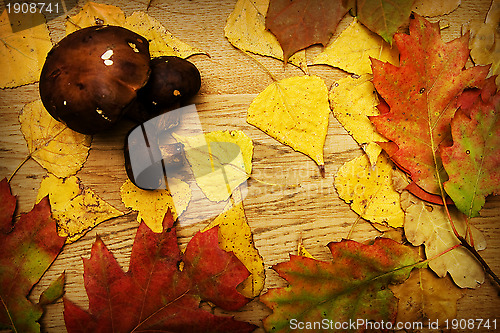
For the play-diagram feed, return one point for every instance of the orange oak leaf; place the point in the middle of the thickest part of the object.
(422, 97)
(162, 289)
(301, 23)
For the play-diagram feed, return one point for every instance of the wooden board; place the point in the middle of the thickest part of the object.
(302, 204)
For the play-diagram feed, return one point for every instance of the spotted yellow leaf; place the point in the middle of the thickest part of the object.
(75, 208)
(220, 161)
(369, 190)
(93, 13)
(352, 50)
(246, 30)
(152, 205)
(23, 49)
(53, 145)
(235, 236)
(295, 112)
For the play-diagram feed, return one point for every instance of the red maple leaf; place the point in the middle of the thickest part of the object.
(422, 96)
(301, 23)
(27, 249)
(156, 294)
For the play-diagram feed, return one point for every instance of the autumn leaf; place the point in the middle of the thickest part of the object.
(152, 205)
(75, 208)
(422, 95)
(26, 253)
(7, 207)
(299, 24)
(428, 224)
(25, 44)
(155, 294)
(435, 8)
(384, 17)
(235, 236)
(52, 144)
(246, 30)
(353, 286)
(93, 13)
(425, 296)
(352, 49)
(295, 112)
(220, 161)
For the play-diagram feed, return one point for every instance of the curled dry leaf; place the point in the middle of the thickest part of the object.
(435, 8)
(75, 208)
(52, 144)
(351, 51)
(23, 49)
(369, 190)
(295, 112)
(246, 30)
(152, 205)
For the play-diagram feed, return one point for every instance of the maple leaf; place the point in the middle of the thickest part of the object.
(295, 112)
(422, 95)
(24, 47)
(7, 207)
(299, 24)
(353, 286)
(26, 253)
(60, 150)
(473, 162)
(246, 29)
(155, 294)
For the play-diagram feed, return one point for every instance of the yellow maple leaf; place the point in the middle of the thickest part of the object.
(352, 50)
(295, 112)
(60, 150)
(369, 190)
(152, 205)
(220, 160)
(93, 13)
(75, 208)
(246, 30)
(23, 49)
(235, 236)
(352, 100)
(428, 224)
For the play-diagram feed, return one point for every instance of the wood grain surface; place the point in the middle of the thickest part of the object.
(301, 204)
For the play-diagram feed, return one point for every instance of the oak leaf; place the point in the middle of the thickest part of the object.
(26, 252)
(155, 294)
(299, 24)
(353, 286)
(75, 208)
(58, 149)
(295, 112)
(422, 95)
(25, 44)
(246, 30)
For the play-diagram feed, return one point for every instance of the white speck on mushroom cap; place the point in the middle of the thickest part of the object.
(106, 56)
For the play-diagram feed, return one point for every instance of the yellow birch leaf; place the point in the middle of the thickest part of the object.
(23, 49)
(369, 190)
(302, 251)
(161, 41)
(295, 112)
(246, 30)
(352, 50)
(153, 205)
(75, 208)
(220, 160)
(424, 296)
(353, 100)
(60, 150)
(93, 13)
(428, 224)
(235, 236)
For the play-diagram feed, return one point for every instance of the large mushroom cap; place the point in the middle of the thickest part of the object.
(92, 75)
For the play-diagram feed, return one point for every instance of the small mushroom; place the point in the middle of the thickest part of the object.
(91, 77)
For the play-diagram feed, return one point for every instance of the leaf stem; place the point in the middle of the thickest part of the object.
(18, 167)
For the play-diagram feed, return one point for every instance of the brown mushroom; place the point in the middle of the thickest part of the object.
(92, 76)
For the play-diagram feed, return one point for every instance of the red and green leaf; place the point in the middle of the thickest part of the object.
(155, 294)
(352, 286)
(422, 96)
(302, 23)
(26, 252)
(473, 162)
